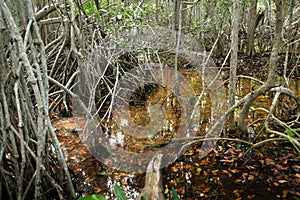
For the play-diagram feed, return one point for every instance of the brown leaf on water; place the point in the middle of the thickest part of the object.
(250, 178)
(215, 172)
(284, 162)
(206, 190)
(174, 169)
(237, 181)
(251, 196)
(240, 154)
(280, 167)
(234, 170)
(227, 172)
(282, 181)
(204, 161)
(276, 184)
(236, 193)
(269, 161)
(284, 193)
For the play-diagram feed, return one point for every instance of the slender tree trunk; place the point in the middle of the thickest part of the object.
(233, 59)
(177, 15)
(251, 28)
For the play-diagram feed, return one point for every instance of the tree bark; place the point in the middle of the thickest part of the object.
(177, 14)
(251, 28)
(153, 189)
(233, 59)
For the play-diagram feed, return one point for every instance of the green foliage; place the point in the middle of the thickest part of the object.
(93, 197)
(143, 198)
(119, 192)
(101, 173)
(119, 16)
(175, 196)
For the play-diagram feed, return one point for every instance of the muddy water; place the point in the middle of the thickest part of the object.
(189, 172)
(285, 105)
(186, 171)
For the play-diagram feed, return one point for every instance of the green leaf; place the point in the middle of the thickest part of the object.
(174, 194)
(93, 197)
(101, 173)
(119, 192)
(290, 133)
(143, 198)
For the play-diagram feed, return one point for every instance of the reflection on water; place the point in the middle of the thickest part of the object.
(284, 110)
(158, 104)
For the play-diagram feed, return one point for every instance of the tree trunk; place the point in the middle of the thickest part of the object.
(177, 15)
(251, 28)
(233, 59)
(153, 189)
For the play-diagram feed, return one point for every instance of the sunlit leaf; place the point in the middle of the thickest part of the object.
(237, 181)
(234, 170)
(282, 181)
(250, 178)
(166, 191)
(198, 170)
(215, 172)
(174, 169)
(93, 197)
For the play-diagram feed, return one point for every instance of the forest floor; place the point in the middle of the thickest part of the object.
(271, 171)
(225, 173)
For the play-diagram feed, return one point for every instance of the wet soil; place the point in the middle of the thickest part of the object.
(272, 172)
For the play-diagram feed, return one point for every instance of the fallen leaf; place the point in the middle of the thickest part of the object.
(206, 189)
(276, 184)
(250, 178)
(234, 170)
(97, 190)
(237, 181)
(282, 181)
(205, 173)
(174, 169)
(284, 193)
(236, 193)
(251, 196)
(227, 172)
(215, 172)
(198, 170)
